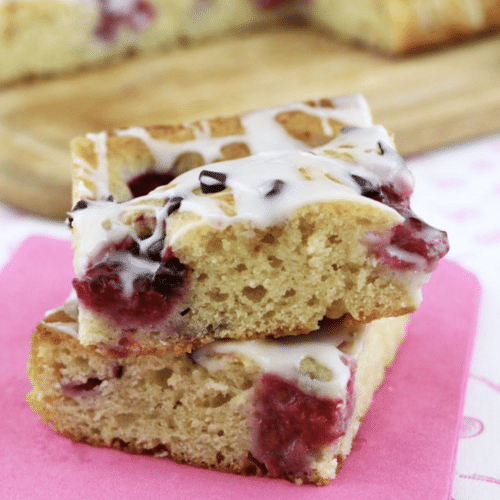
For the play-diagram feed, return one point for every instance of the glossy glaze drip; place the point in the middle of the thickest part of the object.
(284, 357)
(306, 178)
(261, 133)
(358, 165)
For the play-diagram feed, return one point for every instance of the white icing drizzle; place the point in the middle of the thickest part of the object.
(261, 133)
(92, 234)
(120, 6)
(248, 176)
(98, 177)
(132, 267)
(283, 357)
(70, 308)
(265, 188)
(69, 328)
(248, 179)
(101, 150)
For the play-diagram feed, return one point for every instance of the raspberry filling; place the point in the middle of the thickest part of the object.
(83, 389)
(290, 424)
(90, 384)
(145, 183)
(138, 14)
(133, 287)
(412, 245)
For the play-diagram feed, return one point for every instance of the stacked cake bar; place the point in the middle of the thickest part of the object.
(241, 286)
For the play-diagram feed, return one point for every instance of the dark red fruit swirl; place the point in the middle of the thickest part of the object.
(413, 235)
(416, 237)
(153, 296)
(290, 424)
(90, 384)
(145, 183)
(140, 14)
(74, 389)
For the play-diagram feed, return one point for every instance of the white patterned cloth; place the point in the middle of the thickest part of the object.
(458, 190)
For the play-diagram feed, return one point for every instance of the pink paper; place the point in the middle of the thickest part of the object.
(405, 448)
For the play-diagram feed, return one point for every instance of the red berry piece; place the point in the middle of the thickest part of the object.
(155, 288)
(145, 183)
(138, 15)
(290, 424)
(100, 286)
(411, 245)
(90, 384)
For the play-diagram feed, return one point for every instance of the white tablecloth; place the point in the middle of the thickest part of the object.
(457, 189)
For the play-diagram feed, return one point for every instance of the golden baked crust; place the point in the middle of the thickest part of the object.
(407, 26)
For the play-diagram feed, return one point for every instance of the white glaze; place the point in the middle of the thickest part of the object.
(92, 235)
(70, 308)
(363, 145)
(361, 150)
(261, 133)
(132, 267)
(283, 357)
(247, 179)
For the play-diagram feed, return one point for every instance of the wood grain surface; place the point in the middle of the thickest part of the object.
(429, 100)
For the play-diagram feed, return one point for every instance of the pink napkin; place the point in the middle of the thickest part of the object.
(405, 448)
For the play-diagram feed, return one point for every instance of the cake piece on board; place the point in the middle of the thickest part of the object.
(50, 37)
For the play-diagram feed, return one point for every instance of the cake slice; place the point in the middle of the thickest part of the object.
(263, 245)
(78, 34)
(50, 37)
(411, 26)
(126, 163)
(287, 408)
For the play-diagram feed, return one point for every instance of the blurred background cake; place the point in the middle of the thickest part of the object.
(52, 36)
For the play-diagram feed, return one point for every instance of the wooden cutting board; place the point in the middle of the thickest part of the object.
(429, 100)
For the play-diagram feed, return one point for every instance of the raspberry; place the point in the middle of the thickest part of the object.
(155, 288)
(290, 424)
(145, 183)
(411, 245)
(140, 14)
